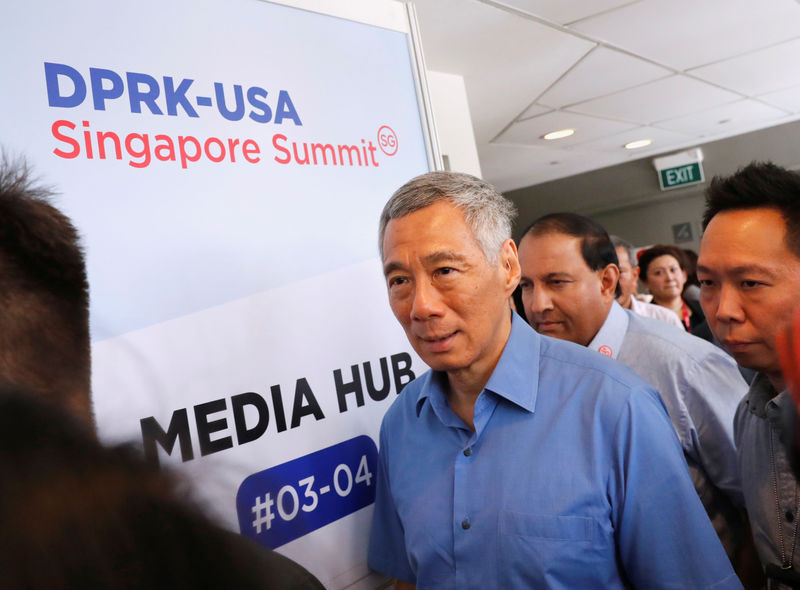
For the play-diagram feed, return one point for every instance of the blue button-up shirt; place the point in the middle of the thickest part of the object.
(573, 478)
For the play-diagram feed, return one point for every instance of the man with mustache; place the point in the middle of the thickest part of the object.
(569, 284)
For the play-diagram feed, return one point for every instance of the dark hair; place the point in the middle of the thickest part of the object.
(758, 185)
(647, 256)
(75, 514)
(44, 294)
(596, 247)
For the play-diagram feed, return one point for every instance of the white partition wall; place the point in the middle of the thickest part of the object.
(226, 162)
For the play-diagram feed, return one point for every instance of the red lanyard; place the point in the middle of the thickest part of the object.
(685, 315)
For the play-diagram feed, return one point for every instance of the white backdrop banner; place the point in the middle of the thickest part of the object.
(226, 163)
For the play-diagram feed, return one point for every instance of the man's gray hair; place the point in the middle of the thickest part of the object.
(488, 214)
(620, 243)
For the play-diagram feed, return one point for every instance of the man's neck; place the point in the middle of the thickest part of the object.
(465, 385)
(600, 327)
(627, 303)
(464, 389)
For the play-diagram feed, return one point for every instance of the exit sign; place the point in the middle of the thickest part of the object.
(681, 175)
(681, 169)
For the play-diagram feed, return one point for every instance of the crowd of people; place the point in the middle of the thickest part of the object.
(596, 445)
(594, 440)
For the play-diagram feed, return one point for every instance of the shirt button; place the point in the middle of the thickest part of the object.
(789, 516)
(465, 524)
(467, 451)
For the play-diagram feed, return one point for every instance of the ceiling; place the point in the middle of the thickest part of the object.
(678, 72)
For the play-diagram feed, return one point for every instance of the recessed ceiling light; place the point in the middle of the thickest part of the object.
(558, 134)
(639, 143)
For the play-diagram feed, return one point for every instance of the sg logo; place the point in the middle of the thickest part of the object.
(387, 140)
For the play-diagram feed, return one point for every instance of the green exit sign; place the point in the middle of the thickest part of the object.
(680, 175)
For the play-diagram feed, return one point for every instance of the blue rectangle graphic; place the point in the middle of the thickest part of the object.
(290, 500)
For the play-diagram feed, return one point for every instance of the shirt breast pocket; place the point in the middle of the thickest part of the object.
(550, 551)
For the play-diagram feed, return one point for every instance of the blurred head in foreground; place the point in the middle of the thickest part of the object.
(75, 514)
(44, 295)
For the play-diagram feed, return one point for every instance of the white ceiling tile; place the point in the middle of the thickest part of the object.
(602, 72)
(515, 67)
(724, 118)
(686, 33)
(759, 72)
(662, 140)
(566, 11)
(663, 99)
(506, 60)
(533, 111)
(509, 168)
(530, 131)
(787, 99)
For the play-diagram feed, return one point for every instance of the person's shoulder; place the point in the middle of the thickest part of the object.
(651, 310)
(641, 324)
(581, 377)
(571, 362)
(675, 356)
(675, 342)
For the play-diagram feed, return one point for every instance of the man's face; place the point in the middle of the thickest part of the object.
(749, 284)
(628, 277)
(451, 302)
(562, 296)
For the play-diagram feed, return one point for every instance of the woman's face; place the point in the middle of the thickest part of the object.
(665, 278)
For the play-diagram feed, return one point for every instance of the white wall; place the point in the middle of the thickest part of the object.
(652, 224)
(453, 122)
(626, 198)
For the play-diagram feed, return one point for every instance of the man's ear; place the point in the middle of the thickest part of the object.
(509, 261)
(609, 276)
(636, 270)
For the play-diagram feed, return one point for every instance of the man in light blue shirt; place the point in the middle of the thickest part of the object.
(569, 283)
(518, 461)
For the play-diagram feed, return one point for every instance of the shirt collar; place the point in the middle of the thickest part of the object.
(515, 377)
(764, 401)
(608, 339)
